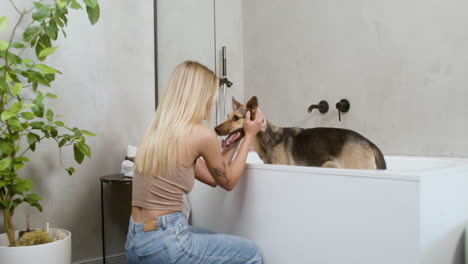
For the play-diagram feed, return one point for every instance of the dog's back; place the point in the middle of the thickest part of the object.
(332, 147)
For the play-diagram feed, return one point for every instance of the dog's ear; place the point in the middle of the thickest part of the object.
(252, 106)
(235, 105)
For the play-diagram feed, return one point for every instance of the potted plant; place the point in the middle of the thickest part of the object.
(25, 121)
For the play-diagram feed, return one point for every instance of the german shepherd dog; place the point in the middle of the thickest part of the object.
(320, 147)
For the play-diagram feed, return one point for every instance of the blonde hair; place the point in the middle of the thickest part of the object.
(187, 101)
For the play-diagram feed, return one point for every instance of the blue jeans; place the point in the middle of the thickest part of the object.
(176, 242)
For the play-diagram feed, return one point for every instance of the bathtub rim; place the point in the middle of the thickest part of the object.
(459, 163)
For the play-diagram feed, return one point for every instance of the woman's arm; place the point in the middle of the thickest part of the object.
(203, 174)
(227, 175)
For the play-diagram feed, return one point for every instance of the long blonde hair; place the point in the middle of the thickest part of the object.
(186, 101)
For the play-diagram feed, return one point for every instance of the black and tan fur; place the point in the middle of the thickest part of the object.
(321, 146)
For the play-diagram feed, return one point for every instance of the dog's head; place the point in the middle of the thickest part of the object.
(233, 127)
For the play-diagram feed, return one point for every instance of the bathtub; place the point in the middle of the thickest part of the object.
(414, 212)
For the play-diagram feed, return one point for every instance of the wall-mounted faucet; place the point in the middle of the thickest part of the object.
(322, 107)
(225, 81)
(343, 106)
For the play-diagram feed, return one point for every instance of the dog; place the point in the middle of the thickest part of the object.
(319, 147)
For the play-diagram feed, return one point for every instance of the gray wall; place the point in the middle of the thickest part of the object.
(108, 88)
(402, 64)
(186, 31)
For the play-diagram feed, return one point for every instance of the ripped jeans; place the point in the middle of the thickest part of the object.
(174, 241)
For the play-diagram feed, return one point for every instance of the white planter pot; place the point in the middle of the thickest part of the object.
(57, 252)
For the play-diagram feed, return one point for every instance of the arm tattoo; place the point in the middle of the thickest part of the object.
(221, 173)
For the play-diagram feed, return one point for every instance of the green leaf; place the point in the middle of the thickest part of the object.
(93, 14)
(63, 142)
(17, 45)
(4, 163)
(52, 30)
(79, 156)
(3, 23)
(70, 170)
(33, 138)
(7, 115)
(41, 13)
(28, 115)
(51, 96)
(6, 147)
(42, 43)
(18, 166)
(3, 45)
(16, 89)
(91, 3)
(15, 124)
(5, 203)
(37, 124)
(22, 159)
(49, 115)
(2, 183)
(87, 133)
(75, 4)
(16, 107)
(85, 149)
(61, 3)
(54, 132)
(38, 109)
(27, 61)
(34, 196)
(30, 33)
(46, 69)
(59, 123)
(46, 52)
(38, 5)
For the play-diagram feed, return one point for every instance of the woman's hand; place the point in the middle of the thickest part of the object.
(251, 128)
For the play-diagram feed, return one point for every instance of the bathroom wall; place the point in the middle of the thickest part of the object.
(403, 66)
(107, 87)
(197, 30)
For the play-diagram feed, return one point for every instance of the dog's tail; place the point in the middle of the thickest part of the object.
(379, 159)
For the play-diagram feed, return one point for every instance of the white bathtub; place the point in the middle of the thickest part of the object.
(414, 212)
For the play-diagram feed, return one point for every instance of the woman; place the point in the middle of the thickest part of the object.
(167, 162)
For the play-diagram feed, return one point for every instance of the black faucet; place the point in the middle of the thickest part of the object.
(322, 107)
(343, 106)
(225, 81)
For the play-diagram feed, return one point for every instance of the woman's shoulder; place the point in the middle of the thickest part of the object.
(203, 133)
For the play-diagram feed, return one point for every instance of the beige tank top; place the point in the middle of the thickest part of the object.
(162, 194)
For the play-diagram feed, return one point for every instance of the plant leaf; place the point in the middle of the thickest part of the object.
(93, 14)
(28, 115)
(33, 138)
(41, 13)
(6, 147)
(16, 89)
(17, 45)
(46, 52)
(91, 3)
(30, 32)
(75, 4)
(70, 170)
(87, 133)
(3, 45)
(50, 95)
(46, 69)
(49, 115)
(4, 163)
(79, 156)
(7, 115)
(3, 23)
